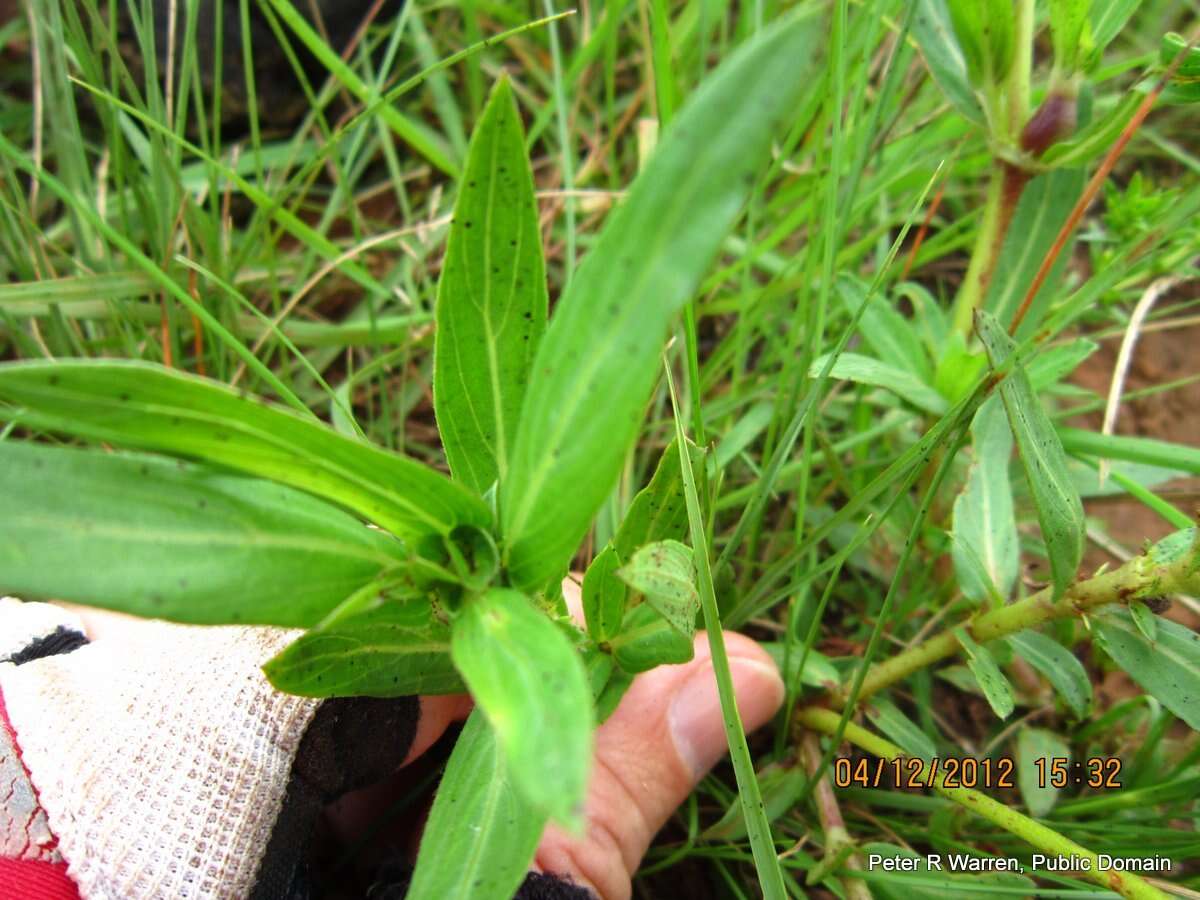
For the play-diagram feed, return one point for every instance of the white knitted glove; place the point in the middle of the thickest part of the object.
(154, 762)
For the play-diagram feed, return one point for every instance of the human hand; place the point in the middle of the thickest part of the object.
(666, 733)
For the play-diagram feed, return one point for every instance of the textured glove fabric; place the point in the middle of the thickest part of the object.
(160, 759)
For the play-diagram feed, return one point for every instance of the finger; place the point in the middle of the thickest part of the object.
(663, 738)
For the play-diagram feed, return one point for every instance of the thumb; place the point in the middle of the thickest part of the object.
(663, 738)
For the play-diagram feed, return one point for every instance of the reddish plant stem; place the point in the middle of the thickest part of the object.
(1096, 182)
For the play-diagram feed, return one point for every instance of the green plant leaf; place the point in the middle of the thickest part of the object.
(600, 359)
(1069, 33)
(603, 596)
(175, 540)
(1146, 451)
(1035, 744)
(985, 549)
(991, 680)
(647, 640)
(527, 678)
(1058, 665)
(482, 833)
(899, 728)
(658, 511)
(1059, 510)
(150, 407)
(1145, 620)
(893, 337)
(395, 647)
(1168, 668)
(782, 787)
(934, 35)
(867, 370)
(986, 32)
(666, 574)
(491, 305)
(818, 672)
(1043, 208)
(1055, 363)
(1108, 18)
(925, 882)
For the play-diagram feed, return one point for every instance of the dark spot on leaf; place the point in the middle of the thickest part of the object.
(53, 380)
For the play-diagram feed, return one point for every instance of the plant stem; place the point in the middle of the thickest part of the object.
(839, 846)
(758, 828)
(973, 289)
(1172, 565)
(1034, 833)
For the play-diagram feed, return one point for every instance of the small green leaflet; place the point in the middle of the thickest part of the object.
(1168, 668)
(985, 548)
(1039, 747)
(529, 682)
(934, 35)
(647, 640)
(394, 648)
(1059, 510)
(480, 821)
(491, 306)
(868, 370)
(598, 363)
(603, 596)
(666, 573)
(150, 407)
(657, 513)
(175, 540)
(991, 680)
(899, 728)
(1057, 665)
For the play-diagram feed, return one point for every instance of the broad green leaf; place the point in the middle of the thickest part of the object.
(150, 407)
(818, 672)
(178, 541)
(394, 648)
(603, 596)
(1043, 208)
(1147, 451)
(1069, 32)
(892, 336)
(1057, 665)
(527, 679)
(1168, 668)
(482, 833)
(991, 680)
(598, 363)
(899, 728)
(1059, 510)
(986, 35)
(1055, 363)
(867, 370)
(666, 574)
(491, 304)
(658, 512)
(934, 35)
(1035, 744)
(647, 640)
(1145, 620)
(985, 548)
(1107, 20)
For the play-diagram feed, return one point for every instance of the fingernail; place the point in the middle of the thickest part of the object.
(695, 718)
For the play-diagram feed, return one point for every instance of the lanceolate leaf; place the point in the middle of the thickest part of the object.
(481, 834)
(985, 530)
(603, 595)
(146, 406)
(175, 540)
(1058, 665)
(527, 679)
(491, 306)
(987, 674)
(1059, 510)
(1038, 746)
(1167, 668)
(665, 573)
(598, 363)
(934, 35)
(393, 649)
